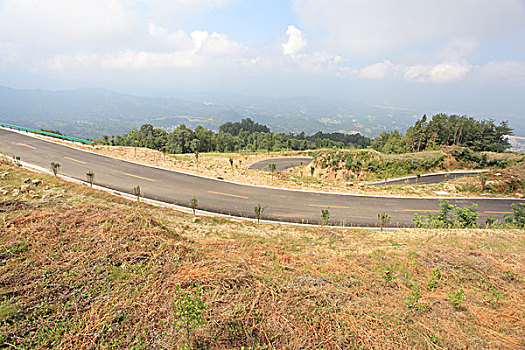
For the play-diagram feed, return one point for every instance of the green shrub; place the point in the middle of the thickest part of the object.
(449, 216)
(457, 298)
(433, 279)
(413, 300)
(189, 309)
(518, 216)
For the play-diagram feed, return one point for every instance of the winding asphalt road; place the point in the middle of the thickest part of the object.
(291, 162)
(231, 198)
(426, 178)
(280, 163)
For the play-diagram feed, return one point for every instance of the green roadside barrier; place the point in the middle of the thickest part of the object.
(69, 138)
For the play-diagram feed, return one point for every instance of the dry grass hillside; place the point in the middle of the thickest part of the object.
(81, 269)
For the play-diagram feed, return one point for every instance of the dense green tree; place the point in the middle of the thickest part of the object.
(232, 137)
(446, 130)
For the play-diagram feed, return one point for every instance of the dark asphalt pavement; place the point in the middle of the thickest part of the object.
(425, 178)
(280, 163)
(231, 198)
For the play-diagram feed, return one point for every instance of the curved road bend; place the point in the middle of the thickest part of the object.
(290, 162)
(231, 198)
(426, 178)
(280, 163)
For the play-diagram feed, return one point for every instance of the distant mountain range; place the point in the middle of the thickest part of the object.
(517, 143)
(91, 113)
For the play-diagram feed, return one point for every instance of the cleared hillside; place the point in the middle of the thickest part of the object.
(82, 269)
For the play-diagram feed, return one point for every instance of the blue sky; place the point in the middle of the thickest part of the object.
(403, 52)
(253, 22)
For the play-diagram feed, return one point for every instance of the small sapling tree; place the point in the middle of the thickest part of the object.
(55, 167)
(258, 209)
(384, 220)
(193, 204)
(137, 192)
(196, 153)
(312, 171)
(231, 162)
(325, 215)
(90, 176)
(195, 146)
(483, 180)
(272, 168)
(135, 145)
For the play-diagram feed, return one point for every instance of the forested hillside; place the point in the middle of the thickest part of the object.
(446, 130)
(245, 135)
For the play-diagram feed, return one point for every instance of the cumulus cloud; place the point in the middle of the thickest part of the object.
(379, 70)
(187, 51)
(76, 25)
(513, 71)
(378, 26)
(215, 44)
(435, 73)
(439, 73)
(55, 22)
(296, 42)
(150, 60)
(76, 60)
(355, 39)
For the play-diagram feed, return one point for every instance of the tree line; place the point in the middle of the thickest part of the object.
(446, 130)
(245, 135)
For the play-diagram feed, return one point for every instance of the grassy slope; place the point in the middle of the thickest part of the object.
(81, 268)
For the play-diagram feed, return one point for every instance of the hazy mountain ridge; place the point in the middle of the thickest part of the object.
(92, 113)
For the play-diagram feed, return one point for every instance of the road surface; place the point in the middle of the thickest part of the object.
(290, 162)
(231, 198)
(280, 163)
(426, 178)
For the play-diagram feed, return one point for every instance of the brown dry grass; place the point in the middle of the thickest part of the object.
(82, 269)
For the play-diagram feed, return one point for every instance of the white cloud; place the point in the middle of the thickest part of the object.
(378, 26)
(379, 70)
(151, 60)
(434, 73)
(439, 73)
(80, 59)
(448, 72)
(459, 49)
(295, 42)
(513, 71)
(9, 52)
(55, 22)
(187, 51)
(74, 25)
(215, 44)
